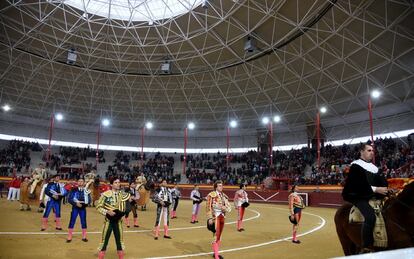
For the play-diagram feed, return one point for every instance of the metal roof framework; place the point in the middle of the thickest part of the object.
(306, 54)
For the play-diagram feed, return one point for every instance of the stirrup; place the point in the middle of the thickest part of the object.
(366, 250)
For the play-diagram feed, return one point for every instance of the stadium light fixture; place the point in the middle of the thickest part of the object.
(276, 118)
(149, 125)
(59, 116)
(106, 122)
(6, 108)
(323, 109)
(375, 94)
(265, 120)
(191, 125)
(233, 123)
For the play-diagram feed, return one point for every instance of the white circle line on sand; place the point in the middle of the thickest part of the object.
(126, 231)
(321, 225)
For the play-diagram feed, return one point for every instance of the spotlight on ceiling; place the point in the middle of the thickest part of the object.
(249, 44)
(265, 120)
(276, 118)
(191, 125)
(149, 125)
(375, 94)
(59, 116)
(166, 67)
(323, 109)
(106, 122)
(233, 123)
(6, 108)
(71, 56)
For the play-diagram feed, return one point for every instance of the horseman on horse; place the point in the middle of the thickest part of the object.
(362, 184)
(38, 175)
(393, 217)
(144, 188)
(90, 178)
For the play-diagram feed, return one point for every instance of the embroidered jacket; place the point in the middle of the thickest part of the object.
(175, 193)
(217, 204)
(54, 188)
(295, 201)
(81, 195)
(162, 194)
(240, 197)
(111, 200)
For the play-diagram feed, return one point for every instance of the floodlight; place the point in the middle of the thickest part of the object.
(106, 122)
(149, 125)
(191, 125)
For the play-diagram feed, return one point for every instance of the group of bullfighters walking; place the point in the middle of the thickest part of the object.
(117, 203)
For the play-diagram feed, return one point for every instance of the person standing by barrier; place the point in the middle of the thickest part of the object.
(195, 196)
(296, 205)
(217, 206)
(17, 185)
(14, 189)
(241, 202)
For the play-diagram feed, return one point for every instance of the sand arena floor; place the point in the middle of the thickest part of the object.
(267, 235)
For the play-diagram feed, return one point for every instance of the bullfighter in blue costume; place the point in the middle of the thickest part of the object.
(80, 198)
(55, 191)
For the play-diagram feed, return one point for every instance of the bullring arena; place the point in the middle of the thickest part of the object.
(257, 97)
(267, 235)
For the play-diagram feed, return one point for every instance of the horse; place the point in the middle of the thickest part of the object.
(25, 199)
(96, 189)
(398, 213)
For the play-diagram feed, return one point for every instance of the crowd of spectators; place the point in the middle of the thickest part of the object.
(230, 176)
(155, 168)
(17, 155)
(72, 155)
(251, 167)
(394, 157)
(397, 161)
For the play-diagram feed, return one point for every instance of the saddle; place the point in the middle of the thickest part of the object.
(380, 232)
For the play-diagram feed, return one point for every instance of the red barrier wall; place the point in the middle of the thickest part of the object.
(315, 198)
(318, 199)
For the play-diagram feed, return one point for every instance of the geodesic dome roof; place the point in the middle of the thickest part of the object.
(228, 59)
